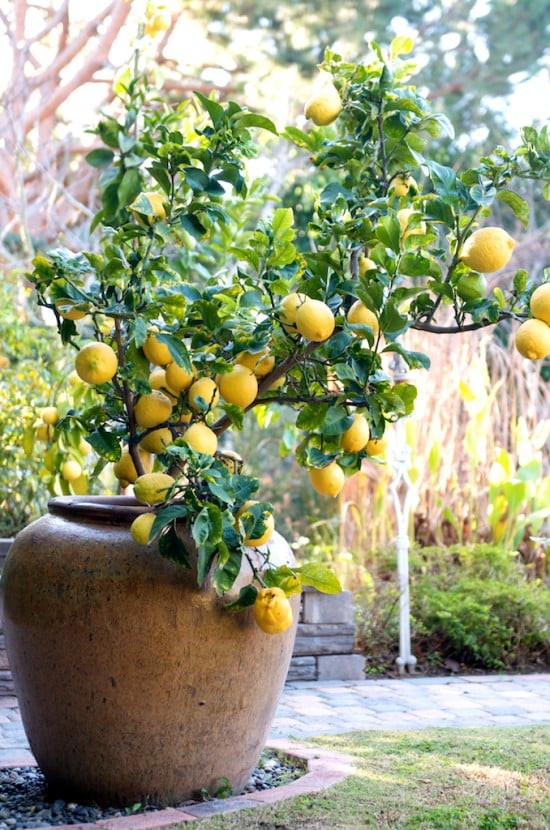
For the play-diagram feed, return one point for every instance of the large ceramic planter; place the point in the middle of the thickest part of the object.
(133, 684)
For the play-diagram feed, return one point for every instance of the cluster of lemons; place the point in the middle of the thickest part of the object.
(533, 336)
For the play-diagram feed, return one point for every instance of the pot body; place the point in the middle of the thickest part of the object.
(133, 684)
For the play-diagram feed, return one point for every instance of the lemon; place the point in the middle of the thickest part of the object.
(377, 446)
(44, 432)
(140, 528)
(314, 320)
(533, 339)
(289, 306)
(96, 363)
(49, 414)
(404, 216)
(540, 303)
(152, 488)
(203, 394)
(239, 386)
(272, 611)
(201, 438)
(261, 363)
(66, 308)
(157, 205)
(356, 437)
(401, 184)
(471, 286)
(84, 447)
(269, 522)
(71, 470)
(125, 470)
(155, 351)
(329, 480)
(152, 409)
(487, 250)
(157, 440)
(178, 379)
(324, 107)
(365, 264)
(359, 313)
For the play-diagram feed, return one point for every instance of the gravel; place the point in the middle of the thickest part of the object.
(24, 801)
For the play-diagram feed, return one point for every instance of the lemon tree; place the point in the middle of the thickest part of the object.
(195, 317)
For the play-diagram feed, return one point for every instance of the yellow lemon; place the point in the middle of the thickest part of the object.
(71, 470)
(156, 207)
(49, 414)
(404, 216)
(324, 107)
(377, 446)
(66, 308)
(289, 306)
(203, 394)
(238, 386)
(533, 339)
(152, 488)
(359, 313)
(269, 526)
(44, 432)
(314, 320)
(140, 528)
(125, 470)
(365, 264)
(329, 480)
(84, 447)
(155, 351)
(540, 303)
(201, 438)
(272, 610)
(356, 437)
(96, 363)
(178, 379)
(261, 363)
(401, 184)
(152, 409)
(487, 250)
(157, 440)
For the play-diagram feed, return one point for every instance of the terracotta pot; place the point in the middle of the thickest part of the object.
(133, 684)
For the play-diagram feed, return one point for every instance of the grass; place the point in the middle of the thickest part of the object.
(434, 779)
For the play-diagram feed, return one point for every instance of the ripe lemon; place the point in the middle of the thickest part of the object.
(125, 470)
(203, 394)
(71, 470)
(140, 528)
(178, 379)
(49, 414)
(359, 313)
(269, 526)
(356, 437)
(314, 320)
(261, 363)
(152, 488)
(487, 250)
(66, 308)
(84, 447)
(152, 409)
(377, 446)
(201, 438)
(156, 441)
(540, 303)
(157, 204)
(404, 215)
(155, 351)
(324, 107)
(96, 363)
(471, 286)
(329, 480)
(401, 184)
(272, 610)
(44, 432)
(365, 264)
(289, 306)
(239, 386)
(533, 339)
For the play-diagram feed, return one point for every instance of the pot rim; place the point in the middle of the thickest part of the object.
(99, 508)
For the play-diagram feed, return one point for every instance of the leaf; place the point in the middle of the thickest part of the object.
(336, 421)
(246, 598)
(224, 575)
(129, 187)
(171, 547)
(196, 179)
(106, 444)
(214, 110)
(519, 206)
(178, 350)
(299, 138)
(319, 577)
(245, 120)
(100, 158)
(311, 416)
(192, 225)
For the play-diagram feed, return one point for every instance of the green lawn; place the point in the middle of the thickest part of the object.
(434, 779)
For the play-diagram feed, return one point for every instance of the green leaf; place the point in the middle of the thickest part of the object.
(196, 179)
(319, 577)
(172, 547)
(192, 225)
(214, 110)
(311, 416)
(106, 444)
(246, 598)
(336, 421)
(100, 158)
(129, 187)
(519, 206)
(245, 120)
